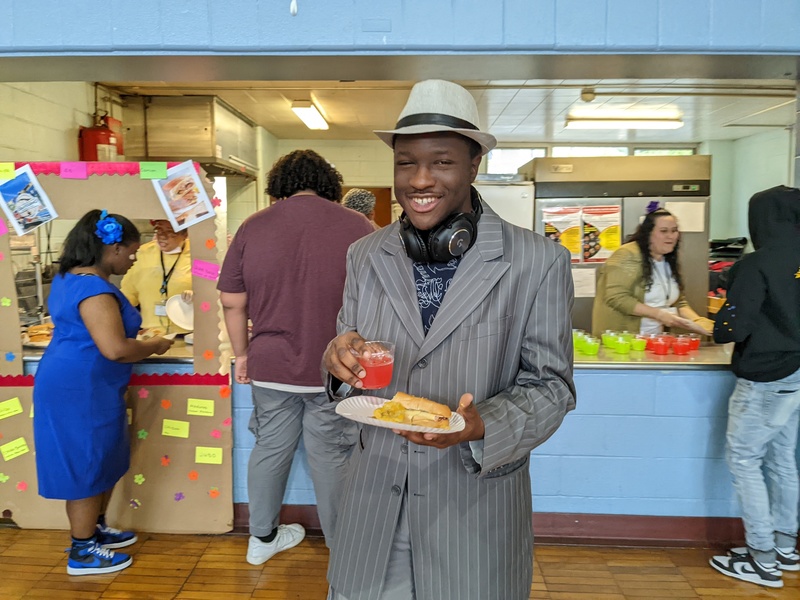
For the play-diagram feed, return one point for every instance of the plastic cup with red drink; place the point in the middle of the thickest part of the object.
(694, 342)
(681, 345)
(660, 345)
(378, 364)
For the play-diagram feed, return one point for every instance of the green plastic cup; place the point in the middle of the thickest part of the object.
(591, 346)
(622, 346)
(638, 345)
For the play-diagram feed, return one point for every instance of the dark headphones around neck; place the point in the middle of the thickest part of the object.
(448, 240)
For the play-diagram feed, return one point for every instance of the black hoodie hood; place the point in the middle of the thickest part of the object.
(774, 217)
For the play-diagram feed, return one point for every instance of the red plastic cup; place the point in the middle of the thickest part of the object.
(670, 339)
(681, 345)
(378, 366)
(694, 342)
(660, 345)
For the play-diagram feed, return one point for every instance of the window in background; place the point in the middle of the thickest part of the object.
(663, 151)
(574, 151)
(508, 160)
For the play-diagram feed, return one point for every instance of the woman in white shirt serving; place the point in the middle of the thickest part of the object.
(640, 287)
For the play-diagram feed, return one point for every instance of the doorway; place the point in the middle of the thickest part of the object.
(383, 202)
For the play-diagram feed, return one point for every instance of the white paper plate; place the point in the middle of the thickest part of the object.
(361, 409)
(189, 338)
(181, 313)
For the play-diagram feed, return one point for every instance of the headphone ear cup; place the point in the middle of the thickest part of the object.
(412, 242)
(451, 231)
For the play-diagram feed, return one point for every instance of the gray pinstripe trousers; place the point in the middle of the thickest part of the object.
(399, 583)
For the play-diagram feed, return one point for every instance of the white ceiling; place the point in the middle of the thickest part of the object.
(522, 111)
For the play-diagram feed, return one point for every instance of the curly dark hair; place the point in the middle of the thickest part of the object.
(642, 237)
(83, 248)
(304, 170)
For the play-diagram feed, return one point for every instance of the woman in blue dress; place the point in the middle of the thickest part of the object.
(80, 421)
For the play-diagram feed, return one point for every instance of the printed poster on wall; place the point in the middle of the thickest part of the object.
(562, 224)
(25, 203)
(183, 196)
(602, 229)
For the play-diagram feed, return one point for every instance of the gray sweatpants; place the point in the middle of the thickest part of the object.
(278, 420)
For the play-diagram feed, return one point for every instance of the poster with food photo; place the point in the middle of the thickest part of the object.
(602, 229)
(25, 203)
(183, 197)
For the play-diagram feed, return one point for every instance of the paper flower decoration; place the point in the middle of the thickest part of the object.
(216, 433)
(135, 503)
(138, 479)
(214, 492)
(205, 306)
(165, 404)
(179, 496)
(225, 391)
(210, 243)
(227, 422)
(108, 229)
(165, 461)
(215, 202)
(5, 301)
(193, 475)
(2, 256)
(3, 478)
(141, 434)
(208, 355)
(22, 486)
(143, 393)
(10, 356)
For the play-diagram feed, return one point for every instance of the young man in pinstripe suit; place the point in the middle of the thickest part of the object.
(479, 311)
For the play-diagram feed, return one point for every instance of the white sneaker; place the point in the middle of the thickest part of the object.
(288, 536)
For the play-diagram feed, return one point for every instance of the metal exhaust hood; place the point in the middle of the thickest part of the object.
(200, 128)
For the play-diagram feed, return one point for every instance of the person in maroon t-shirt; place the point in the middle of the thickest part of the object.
(285, 272)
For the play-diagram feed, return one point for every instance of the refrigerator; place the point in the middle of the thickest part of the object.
(591, 206)
(511, 200)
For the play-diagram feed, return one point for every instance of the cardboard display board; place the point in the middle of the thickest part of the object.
(10, 341)
(180, 480)
(181, 466)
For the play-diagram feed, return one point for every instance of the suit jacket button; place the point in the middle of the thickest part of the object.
(422, 363)
(396, 490)
(404, 448)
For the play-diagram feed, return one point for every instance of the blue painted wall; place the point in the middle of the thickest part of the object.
(639, 443)
(400, 26)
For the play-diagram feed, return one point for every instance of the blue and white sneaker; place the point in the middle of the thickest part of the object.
(108, 537)
(89, 558)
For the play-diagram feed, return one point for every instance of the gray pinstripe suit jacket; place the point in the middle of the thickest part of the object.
(503, 333)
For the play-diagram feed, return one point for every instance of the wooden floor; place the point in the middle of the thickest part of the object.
(33, 565)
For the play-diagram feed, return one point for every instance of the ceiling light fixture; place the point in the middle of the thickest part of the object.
(623, 123)
(309, 114)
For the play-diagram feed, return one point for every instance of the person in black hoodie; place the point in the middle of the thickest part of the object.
(762, 316)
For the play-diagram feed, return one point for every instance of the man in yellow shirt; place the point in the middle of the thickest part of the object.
(163, 268)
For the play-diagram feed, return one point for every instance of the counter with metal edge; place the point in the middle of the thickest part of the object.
(709, 357)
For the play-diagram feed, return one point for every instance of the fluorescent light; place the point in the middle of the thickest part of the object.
(622, 123)
(309, 114)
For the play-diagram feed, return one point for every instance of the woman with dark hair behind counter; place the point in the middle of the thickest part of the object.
(640, 288)
(80, 423)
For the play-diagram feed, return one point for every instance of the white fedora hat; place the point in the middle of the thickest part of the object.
(437, 105)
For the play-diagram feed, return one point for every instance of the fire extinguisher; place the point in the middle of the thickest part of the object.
(99, 142)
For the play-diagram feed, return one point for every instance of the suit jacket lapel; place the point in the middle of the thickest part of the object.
(393, 270)
(476, 276)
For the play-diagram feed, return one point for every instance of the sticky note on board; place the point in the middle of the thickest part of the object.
(205, 455)
(153, 170)
(14, 448)
(200, 408)
(7, 171)
(130, 415)
(3, 228)
(74, 170)
(9, 408)
(173, 428)
(205, 269)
